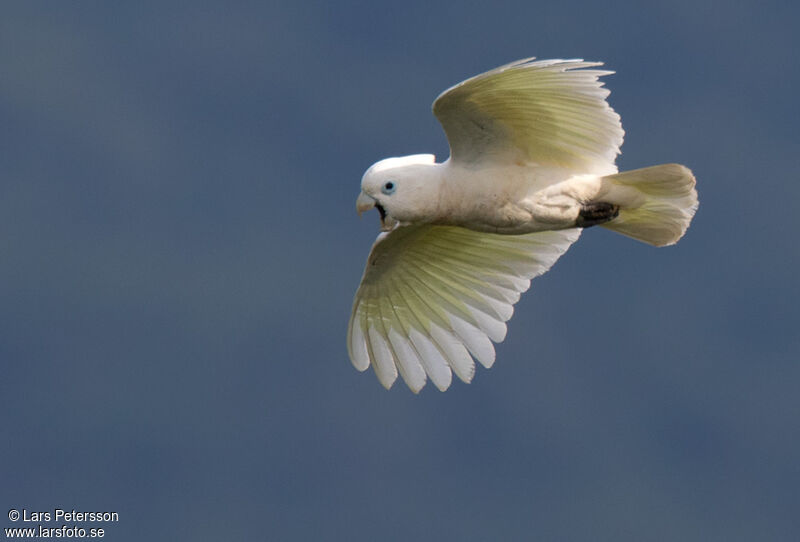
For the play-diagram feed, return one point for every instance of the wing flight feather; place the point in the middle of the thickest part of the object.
(549, 113)
(432, 298)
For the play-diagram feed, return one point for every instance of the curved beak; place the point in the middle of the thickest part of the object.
(364, 203)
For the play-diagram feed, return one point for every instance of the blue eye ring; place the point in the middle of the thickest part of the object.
(389, 187)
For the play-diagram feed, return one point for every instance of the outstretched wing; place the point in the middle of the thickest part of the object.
(550, 113)
(434, 297)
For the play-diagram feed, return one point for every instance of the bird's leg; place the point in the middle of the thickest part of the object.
(592, 214)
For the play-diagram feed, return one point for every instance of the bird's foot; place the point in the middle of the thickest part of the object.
(592, 214)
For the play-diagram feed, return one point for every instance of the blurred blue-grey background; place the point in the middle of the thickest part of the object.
(179, 249)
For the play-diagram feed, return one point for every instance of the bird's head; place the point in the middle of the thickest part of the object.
(405, 190)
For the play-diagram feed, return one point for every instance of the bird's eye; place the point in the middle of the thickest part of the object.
(389, 187)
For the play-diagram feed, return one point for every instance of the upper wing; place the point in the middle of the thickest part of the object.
(550, 112)
(433, 297)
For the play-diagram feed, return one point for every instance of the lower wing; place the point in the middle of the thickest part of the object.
(432, 298)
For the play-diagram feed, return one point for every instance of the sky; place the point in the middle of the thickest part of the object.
(179, 249)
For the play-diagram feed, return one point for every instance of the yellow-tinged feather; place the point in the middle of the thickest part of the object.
(434, 297)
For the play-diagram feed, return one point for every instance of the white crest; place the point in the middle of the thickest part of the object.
(391, 163)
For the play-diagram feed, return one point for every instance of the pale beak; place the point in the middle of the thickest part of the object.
(364, 203)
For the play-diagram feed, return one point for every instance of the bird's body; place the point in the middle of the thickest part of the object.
(530, 199)
(533, 146)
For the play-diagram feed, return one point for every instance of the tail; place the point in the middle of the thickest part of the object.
(656, 204)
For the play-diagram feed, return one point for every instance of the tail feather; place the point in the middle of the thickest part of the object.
(656, 203)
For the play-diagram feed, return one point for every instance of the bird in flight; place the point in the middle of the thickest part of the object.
(532, 152)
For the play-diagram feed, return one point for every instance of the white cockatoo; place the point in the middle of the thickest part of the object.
(532, 151)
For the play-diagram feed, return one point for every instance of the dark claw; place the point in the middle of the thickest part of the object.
(592, 214)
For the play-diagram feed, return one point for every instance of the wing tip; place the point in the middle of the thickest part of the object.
(386, 383)
(356, 346)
